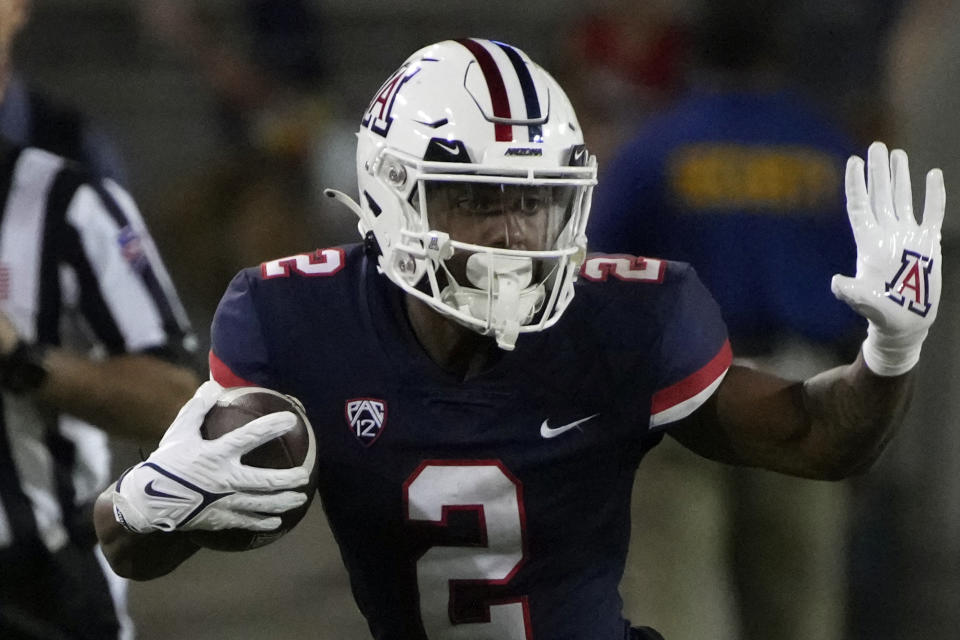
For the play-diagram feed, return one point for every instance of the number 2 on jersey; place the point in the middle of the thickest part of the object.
(435, 489)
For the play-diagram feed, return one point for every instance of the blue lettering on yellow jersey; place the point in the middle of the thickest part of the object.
(747, 188)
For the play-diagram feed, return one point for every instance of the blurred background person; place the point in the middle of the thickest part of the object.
(740, 177)
(90, 328)
(29, 116)
(272, 107)
(622, 61)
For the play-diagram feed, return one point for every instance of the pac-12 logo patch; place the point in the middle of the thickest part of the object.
(911, 284)
(366, 417)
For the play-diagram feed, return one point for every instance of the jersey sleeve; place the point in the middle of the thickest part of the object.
(694, 353)
(238, 351)
(123, 289)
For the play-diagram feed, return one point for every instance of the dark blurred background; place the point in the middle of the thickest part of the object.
(231, 116)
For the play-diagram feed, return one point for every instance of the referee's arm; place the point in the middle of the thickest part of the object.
(129, 304)
(134, 396)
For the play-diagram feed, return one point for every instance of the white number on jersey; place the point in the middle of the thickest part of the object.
(487, 487)
(322, 262)
(623, 267)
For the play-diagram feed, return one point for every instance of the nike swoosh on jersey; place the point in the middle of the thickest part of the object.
(150, 491)
(547, 432)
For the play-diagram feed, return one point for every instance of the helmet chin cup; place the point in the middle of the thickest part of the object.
(503, 299)
(484, 267)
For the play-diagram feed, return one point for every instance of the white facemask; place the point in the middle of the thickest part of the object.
(514, 302)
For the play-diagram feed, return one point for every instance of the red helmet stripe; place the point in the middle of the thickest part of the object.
(498, 90)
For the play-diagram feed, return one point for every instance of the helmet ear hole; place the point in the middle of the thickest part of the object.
(396, 175)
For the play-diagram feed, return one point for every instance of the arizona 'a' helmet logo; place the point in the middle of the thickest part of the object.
(378, 115)
(911, 284)
(366, 417)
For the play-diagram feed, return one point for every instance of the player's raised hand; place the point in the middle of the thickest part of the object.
(897, 284)
(191, 483)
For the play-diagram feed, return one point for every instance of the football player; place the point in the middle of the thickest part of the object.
(482, 390)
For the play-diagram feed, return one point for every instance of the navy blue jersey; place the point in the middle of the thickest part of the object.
(493, 508)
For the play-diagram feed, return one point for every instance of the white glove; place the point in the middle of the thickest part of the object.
(191, 483)
(898, 283)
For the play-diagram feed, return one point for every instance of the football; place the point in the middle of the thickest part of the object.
(235, 408)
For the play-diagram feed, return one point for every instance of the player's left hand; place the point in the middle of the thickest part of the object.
(897, 284)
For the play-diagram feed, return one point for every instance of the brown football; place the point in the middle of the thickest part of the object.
(235, 408)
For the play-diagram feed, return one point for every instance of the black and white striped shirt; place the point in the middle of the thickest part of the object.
(79, 270)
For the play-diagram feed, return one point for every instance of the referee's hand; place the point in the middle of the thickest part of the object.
(8, 336)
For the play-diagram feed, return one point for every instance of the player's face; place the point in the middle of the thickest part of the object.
(503, 216)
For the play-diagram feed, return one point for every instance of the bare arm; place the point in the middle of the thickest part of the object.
(132, 396)
(830, 426)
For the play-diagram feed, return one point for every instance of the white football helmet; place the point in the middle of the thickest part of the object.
(476, 185)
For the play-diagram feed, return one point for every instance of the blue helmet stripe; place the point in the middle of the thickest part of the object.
(528, 88)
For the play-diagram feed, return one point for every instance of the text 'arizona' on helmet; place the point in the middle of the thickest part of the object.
(476, 185)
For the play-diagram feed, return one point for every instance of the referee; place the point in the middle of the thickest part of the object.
(89, 329)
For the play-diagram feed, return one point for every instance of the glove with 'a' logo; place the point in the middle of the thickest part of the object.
(897, 285)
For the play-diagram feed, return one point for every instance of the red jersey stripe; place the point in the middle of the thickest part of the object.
(694, 383)
(222, 374)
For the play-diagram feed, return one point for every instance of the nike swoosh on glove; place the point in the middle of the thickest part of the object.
(192, 483)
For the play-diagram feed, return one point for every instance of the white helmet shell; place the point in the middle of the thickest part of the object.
(475, 111)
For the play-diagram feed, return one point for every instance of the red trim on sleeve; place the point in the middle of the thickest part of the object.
(222, 374)
(694, 383)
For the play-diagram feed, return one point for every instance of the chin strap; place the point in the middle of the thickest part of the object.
(513, 302)
(365, 220)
